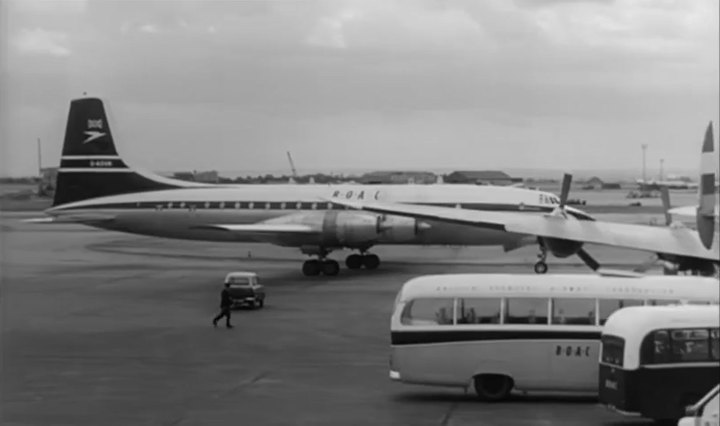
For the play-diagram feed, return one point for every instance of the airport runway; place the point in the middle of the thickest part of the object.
(103, 328)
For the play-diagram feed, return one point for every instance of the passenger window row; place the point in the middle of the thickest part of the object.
(244, 205)
(681, 345)
(521, 310)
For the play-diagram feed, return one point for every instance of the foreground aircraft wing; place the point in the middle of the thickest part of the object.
(690, 211)
(671, 240)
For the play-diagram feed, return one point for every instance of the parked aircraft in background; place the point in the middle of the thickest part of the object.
(563, 234)
(97, 188)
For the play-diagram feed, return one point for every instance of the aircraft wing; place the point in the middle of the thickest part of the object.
(689, 211)
(671, 240)
(73, 218)
(262, 228)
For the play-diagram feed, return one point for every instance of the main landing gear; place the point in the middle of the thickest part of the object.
(540, 266)
(316, 267)
(357, 261)
(329, 267)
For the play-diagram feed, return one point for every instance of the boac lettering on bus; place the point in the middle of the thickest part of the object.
(572, 351)
(357, 195)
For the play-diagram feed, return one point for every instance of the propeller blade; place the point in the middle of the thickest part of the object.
(565, 191)
(665, 196)
(589, 261)
(705, 216)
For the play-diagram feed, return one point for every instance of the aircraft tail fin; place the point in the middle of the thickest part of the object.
(90, 166)
(705, 215)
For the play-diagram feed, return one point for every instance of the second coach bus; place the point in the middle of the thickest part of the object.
(656, 362)
(525, 333)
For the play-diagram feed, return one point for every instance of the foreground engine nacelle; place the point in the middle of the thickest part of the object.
(702, 267)
(561, 248)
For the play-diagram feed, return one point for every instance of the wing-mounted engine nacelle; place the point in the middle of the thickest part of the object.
(350, 228)
(396, 229)
(329, 229)
(561, 248)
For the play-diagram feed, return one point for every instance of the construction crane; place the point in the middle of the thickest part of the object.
(293, 179)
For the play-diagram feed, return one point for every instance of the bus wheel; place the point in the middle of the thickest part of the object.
(493, 387)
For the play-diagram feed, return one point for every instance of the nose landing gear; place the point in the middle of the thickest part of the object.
(540, 266)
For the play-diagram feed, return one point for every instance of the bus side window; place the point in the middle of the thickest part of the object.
(428, 312)
(478, 311)
(573, 311)
(660, 348)
(608, 306)
(526, 311)
(690, 344)
(663, 302)
(714, 344)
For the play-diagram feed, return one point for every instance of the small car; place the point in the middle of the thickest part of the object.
(245, 290)
(705, 412)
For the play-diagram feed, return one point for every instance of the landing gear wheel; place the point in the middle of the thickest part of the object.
(311, 268)
(540, 268)
(330, 268)
(354, 261)
(493, 387)
(371, 261)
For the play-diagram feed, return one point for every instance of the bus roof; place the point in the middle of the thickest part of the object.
(634, 323)
(562, 285)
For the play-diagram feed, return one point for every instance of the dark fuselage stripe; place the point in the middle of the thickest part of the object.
(399, 338)
(288, 205)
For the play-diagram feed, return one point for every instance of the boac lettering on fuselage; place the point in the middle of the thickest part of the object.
(356, 195)
(572, 351)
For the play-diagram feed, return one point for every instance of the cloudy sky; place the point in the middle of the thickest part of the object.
(365, 84)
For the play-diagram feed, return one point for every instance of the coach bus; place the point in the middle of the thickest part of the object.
(524, 333)
(656, 362)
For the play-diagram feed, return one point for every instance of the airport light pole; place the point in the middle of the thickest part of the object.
(39, 146)
(644, 148)
(662, 160)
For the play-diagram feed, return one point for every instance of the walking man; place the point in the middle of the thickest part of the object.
(225, 303)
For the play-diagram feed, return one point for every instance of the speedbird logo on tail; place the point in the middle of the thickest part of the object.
(92, 135)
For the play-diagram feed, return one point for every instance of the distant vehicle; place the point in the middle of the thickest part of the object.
(245, 289)
(705, 412)
(525, 333)
(657, 361)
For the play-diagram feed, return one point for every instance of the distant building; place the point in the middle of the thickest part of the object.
(482, 177)
(189, 176)
(195, 176)
(397, 177)
(207, 177)
(595, 183)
